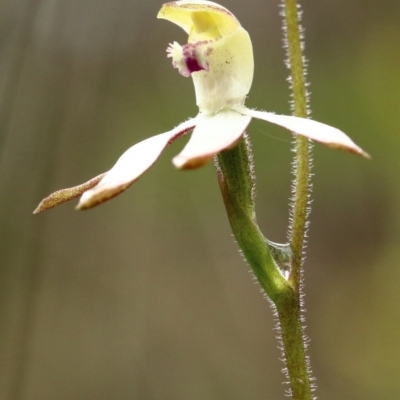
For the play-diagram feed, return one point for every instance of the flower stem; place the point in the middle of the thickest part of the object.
(236, 180)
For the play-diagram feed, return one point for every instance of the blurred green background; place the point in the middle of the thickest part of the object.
(147, 296)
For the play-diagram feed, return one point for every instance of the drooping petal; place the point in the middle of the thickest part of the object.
(200, 19)
(131, 165)
(213, 133)
(63, 195)
(314, 130)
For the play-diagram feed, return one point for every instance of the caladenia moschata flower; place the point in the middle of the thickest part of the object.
(219, 58)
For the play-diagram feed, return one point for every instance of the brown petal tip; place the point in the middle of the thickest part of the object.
(64, 195)
(351, 148)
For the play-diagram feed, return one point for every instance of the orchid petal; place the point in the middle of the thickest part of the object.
(131, 165)
(200, 19)
(328, 135)
(63, 195)
(213, 133)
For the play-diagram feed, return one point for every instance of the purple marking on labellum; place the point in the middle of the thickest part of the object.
(190, 54)
(193, 65)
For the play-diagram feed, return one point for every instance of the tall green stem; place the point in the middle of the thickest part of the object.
(302, 159)
(301, 167)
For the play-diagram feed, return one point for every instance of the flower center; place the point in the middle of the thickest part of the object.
(191, 57)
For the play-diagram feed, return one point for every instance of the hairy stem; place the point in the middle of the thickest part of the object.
(291, 329)
(302, 159)
(301, 166)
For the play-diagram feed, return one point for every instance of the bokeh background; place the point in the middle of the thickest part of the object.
(147, 296)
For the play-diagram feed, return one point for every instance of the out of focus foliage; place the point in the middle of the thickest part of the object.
(146, 297)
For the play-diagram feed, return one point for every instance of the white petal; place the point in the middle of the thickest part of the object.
(131, 165)
(211, 135)
(314, 130)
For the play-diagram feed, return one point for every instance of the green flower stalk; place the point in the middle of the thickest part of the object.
(219, 58)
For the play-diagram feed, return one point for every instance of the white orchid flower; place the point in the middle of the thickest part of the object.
(219, 58)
